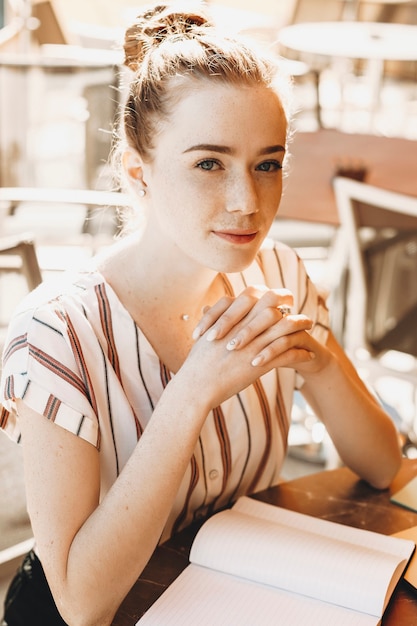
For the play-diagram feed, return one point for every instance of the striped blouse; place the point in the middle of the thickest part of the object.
(75, 355)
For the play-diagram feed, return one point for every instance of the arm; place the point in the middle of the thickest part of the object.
(94, 551)
(363, 433)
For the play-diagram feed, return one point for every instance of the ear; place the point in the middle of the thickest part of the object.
(133, 166)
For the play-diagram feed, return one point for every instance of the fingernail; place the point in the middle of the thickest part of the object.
(196, 332)
(212, 334)
(233, 343)
(257, 361)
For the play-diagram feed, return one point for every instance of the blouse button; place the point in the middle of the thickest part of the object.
(213, 474)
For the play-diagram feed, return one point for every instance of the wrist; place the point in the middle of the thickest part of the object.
(188, 392)
(324, 363)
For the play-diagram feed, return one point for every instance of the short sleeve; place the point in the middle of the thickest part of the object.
(44, 365)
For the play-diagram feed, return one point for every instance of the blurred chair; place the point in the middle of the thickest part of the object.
(9, 35)
(64, 224)
(377, 248)
(19, 254)
(89, 200)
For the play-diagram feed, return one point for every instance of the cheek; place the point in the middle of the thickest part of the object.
(272, 196)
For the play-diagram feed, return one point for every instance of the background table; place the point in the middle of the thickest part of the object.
(355, 40)
(308, 193)
(373, 42)
(336, 495)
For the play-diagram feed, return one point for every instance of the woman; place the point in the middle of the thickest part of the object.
(166, 371)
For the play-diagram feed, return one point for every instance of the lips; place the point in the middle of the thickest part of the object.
(239, 237)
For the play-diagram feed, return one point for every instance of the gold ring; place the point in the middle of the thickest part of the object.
(284, 309)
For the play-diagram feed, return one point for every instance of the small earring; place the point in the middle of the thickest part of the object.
(142, 193)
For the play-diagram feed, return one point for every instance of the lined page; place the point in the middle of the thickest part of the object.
(315, 565)
(201, 596)
(304, 557)
(361, 537)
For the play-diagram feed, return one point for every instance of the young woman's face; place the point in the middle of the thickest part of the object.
(215, 179)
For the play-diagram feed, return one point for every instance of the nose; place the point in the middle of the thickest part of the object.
(242, 195)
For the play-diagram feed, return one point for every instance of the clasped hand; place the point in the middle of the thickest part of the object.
(255, 323)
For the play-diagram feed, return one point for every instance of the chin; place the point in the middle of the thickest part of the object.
(234, 263)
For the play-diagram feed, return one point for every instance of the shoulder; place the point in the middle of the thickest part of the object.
(276, 249)
(48, 304)
(65, 287)
(280, 265)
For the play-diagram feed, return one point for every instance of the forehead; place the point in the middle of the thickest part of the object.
(216, 111)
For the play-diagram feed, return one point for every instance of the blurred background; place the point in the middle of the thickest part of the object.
(354, 67)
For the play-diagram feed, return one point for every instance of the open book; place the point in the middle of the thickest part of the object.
(260, 565)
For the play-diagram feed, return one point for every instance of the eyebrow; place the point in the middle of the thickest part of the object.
(226, 150)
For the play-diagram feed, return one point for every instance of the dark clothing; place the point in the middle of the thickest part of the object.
(29, 600)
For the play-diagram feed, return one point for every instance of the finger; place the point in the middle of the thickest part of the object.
(290, 358)
(238, 311)
(226, 313)
(274, 297)
(284, 309)
(250, 303)
(211, 315)
(272, 324)
(297, 347)
(285, 297)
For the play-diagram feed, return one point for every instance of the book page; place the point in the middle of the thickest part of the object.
(359, 536)
(287, 549)
(314, 564)
(202, 597)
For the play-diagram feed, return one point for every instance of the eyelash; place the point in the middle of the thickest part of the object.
(276, 165)
(204, 161)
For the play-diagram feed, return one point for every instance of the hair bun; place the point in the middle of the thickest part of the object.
(156, 24)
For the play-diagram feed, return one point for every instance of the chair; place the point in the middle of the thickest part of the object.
(63, 229)
(377, 245)
(74, 214)
(19, 254)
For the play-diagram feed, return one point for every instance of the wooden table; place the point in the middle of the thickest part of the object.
(336, 495)
(308, 193)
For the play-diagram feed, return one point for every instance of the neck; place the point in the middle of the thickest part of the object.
(179, 287)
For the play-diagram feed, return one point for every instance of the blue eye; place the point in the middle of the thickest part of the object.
(269, 166)
(208, 165)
